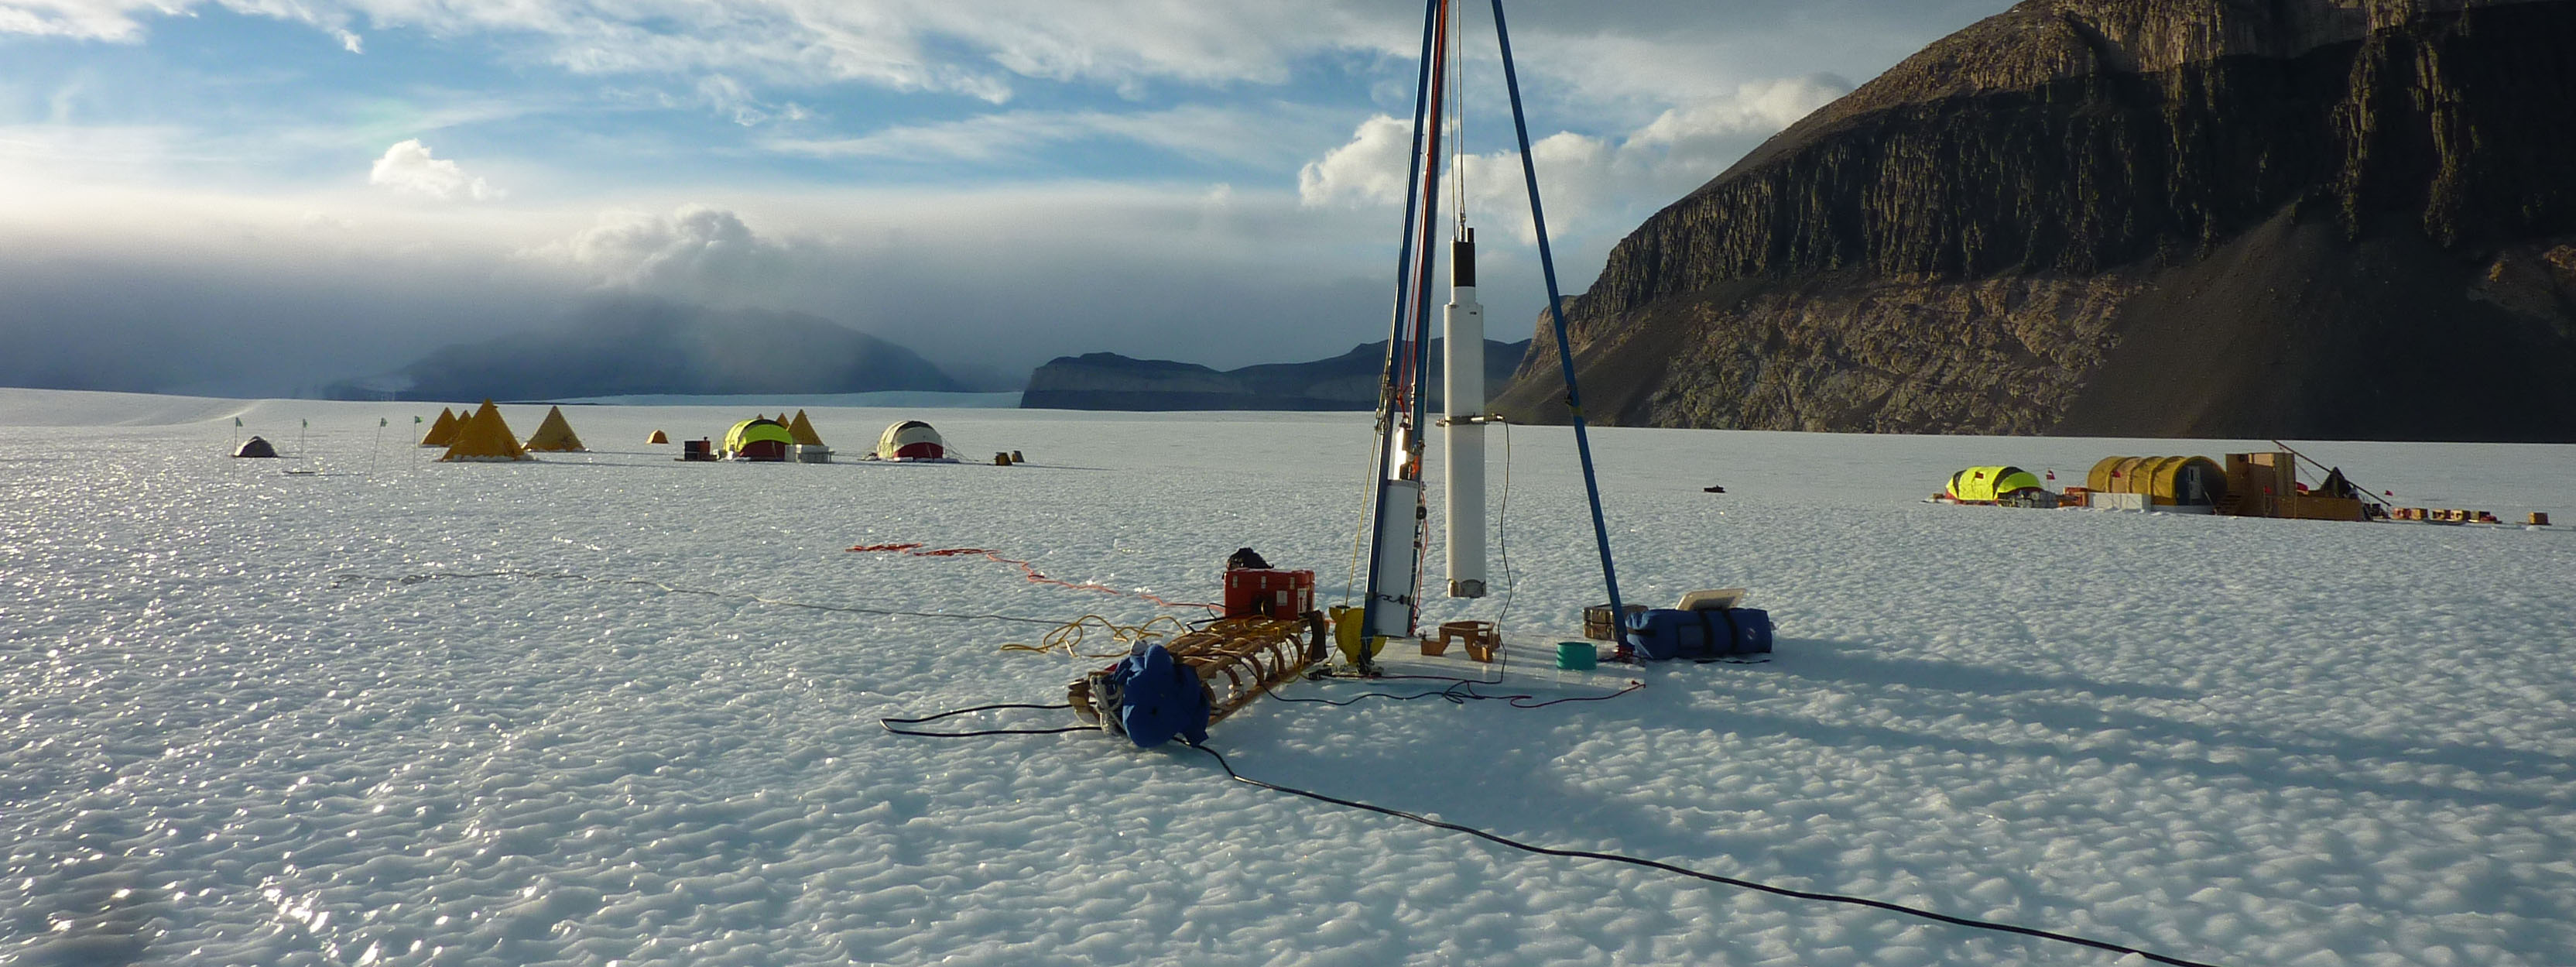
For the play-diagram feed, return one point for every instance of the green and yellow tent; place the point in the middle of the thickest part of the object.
(759, 438)
(1985, 485)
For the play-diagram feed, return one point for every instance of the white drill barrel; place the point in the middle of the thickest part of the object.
(1463, 446)
(1398, 571)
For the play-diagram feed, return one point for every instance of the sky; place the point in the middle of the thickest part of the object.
(260, 197)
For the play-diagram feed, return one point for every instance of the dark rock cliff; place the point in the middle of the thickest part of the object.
(2129, 217)
(1108, 381)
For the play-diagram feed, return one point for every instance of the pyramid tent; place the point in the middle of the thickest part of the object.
(555, 435)
(803, 430)
(443, 432)
(484, 437)
(255, 447)
(911, 440)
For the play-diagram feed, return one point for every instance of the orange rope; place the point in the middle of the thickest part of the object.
(1031, 570)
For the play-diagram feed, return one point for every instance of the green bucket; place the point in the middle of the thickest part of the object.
(1576, 656)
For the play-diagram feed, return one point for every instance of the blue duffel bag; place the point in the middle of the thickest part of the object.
(1160, 699)
(1664, 634)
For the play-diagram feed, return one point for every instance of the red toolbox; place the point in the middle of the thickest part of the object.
(1272, 593)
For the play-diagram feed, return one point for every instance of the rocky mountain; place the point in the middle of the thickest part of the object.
(629, 346)
(2325, 219)
(1108, 381)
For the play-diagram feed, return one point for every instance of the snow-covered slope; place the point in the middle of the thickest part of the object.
(569, 712)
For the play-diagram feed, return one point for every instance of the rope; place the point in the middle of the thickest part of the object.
(1695, 874)
(1031, 570)
(1070, 637)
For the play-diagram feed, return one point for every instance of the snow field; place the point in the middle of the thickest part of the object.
(427, 714)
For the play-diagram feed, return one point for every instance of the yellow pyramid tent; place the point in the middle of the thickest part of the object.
(555, 435)
(443, 432)
(658, 437)
(803, 430)
(484, 437)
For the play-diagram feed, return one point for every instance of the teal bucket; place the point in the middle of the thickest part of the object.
(1576, 656)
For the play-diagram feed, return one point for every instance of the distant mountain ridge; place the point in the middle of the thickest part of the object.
(633, 346)
(1108, 381)
(2211, 218)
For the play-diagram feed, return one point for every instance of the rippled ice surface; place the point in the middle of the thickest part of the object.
(396, 712)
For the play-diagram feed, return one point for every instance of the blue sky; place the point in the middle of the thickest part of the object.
(261, 196)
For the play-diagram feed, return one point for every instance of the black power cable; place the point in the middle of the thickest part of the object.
(1454, 694)
(1459, 692)
(890, 723)
(1695, 874)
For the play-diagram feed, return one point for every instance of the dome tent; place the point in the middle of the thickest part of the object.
(912, 440)
(758, 438)
(255, 447)
(1986, 485)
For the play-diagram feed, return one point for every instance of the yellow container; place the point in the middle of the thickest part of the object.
(1346, 634)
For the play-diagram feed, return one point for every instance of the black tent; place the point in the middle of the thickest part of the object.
(255, 447)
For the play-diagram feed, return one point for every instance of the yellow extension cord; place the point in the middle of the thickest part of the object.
(1070, 636)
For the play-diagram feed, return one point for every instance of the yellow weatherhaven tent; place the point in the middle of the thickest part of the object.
(803, 430)
(1985, 485)
(442, 432)
(484, 437)
(2167, 481)
(555, 435)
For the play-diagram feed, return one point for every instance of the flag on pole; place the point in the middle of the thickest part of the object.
(415, 419)
(308, 424)
(382, 423)
(236, 422)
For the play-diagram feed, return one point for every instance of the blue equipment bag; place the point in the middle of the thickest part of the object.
(1160, 698)
(1664, 634)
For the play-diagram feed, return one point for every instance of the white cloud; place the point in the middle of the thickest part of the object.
(407, 168)
(111, 21)
(1588, 182)
(697, 252)
(1368, 170)
(736, 100)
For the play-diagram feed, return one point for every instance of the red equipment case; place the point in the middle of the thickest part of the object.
(1270, 593)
